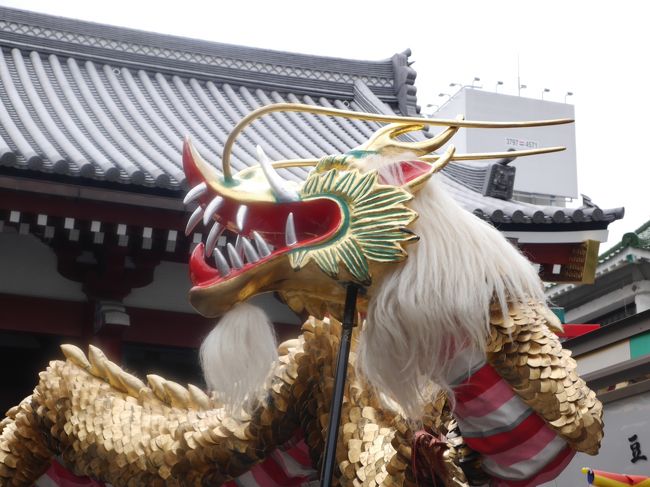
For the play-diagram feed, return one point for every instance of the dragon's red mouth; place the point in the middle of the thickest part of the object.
(265, 228)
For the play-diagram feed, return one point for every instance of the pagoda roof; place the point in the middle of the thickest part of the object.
(108, 104)
(115, 104)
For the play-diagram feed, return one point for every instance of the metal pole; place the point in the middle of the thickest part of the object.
(327, 472)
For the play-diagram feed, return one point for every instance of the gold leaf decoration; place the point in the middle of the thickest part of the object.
(374, 223)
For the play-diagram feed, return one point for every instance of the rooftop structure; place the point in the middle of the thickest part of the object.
(547, 179)
(91, 104)
(114, 104)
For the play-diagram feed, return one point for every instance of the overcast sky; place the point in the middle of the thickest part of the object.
(597, 50)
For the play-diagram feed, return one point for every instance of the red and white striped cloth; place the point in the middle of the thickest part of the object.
(287, 466)
(518, 447)
(59, 476)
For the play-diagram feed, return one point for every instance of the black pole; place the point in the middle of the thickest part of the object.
(327, 472)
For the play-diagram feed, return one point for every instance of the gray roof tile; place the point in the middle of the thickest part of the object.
(120, 124)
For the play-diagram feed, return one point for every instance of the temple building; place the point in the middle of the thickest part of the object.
(92, 120)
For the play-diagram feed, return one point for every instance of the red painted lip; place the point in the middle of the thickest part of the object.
(315, 221)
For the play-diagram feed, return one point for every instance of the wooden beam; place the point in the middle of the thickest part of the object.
(113, 212)
(148, 326)
(43, 316)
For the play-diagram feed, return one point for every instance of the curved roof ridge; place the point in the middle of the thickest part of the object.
(390, 79)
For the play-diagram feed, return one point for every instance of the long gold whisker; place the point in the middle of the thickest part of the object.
(496, 155)
(375, 117)
(434, 157)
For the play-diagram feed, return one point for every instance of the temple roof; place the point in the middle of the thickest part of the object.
(105, 103)
(513, 214)
(114, 104)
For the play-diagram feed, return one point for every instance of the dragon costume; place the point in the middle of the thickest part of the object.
(488, 396)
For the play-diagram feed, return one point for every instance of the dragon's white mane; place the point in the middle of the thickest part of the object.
(422, 314)
(435, 305)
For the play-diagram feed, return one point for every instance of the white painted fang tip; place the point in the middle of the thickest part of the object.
(213, 236)
(212, 208)
(194, 193)
(290, 231)
(262, 246)
(282, 189)
(195, 218)
(235, 260)
(240, 219)
(222, 263)
(249, 251)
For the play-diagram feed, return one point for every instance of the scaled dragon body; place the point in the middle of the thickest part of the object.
(108, 424)
(463, 316)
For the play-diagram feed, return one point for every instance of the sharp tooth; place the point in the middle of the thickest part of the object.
(239, 246)
(240, 219)
(251, 255)
(222, 263)
(213, 236)
(195, 193)
(235, 260)
(262, 246)
(211, 209)
(195, 218)
(290, 231)
(280, 186)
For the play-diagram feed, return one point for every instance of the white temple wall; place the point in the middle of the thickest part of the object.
(28, 268)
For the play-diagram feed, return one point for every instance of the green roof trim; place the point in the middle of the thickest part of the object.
(639, 239)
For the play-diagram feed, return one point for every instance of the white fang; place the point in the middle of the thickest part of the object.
(239, 246)
(290, 232)
(249, 251)
(235, 260)
(195, 218)
(213, 236)
(222, 263)
(280, 186)
(240, 219)
(262, 246)
(212, 208)
(194, 193)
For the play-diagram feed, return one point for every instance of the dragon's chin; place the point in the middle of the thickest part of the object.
(214, 294)
(308, 289)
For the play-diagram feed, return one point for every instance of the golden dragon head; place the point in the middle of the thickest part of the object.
(349, 221)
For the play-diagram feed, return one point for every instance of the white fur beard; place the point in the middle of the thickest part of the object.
(237, 356)
(435, 307)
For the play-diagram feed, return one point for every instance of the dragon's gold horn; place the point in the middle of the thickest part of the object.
(385, 140)
(407, 124)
